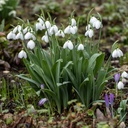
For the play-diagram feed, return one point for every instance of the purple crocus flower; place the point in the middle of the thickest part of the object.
(42, 101)
(106, 100)
(117, 77)
(111, 96)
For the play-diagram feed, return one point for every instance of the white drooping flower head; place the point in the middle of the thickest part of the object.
(120, 85)
(41, 20)
(73, 22)
(38, 26)
(22, 54)
(31, 44)
(19, 36)
(60, 33)
(11, 35)
(124, 75)
(45, 38)
(93, 19)
(80, 47)
(73, 30)
(88, 27)
(117, 53)
(89, 33)
(47, 24)
(53, 30)
(95, 22)
(12, 13)
(29, 35)
(68, 44)
(67, 30)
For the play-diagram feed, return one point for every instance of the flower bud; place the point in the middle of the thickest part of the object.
(117, 77)
(42, 101)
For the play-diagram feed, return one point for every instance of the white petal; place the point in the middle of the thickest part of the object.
(120, 85)
(70, 45)
(90, 33)
(19, 36)
(65, 45)
(28, 35)
(73, 22)
(67, 30)
(124, 75)
(22, 54)
(48, 24)
(93, 19)
(114, 54)
(31, 44)
(11, 35)
(80, 47)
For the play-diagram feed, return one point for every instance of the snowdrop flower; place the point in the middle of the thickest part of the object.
(42, 101)
(31, 44)
(67, 30)
(97, 24)
(80, 47)
(53, 30)
(60, 33)
(45, 38)
(117, 53)
(40, 20)
(22, 54)
(93, 19)
(38, 26)
(73, 22)
(124, 75)
(19, 36)
(89, 33)
(73, 30)
(29, 35)
(17, 28)
(68, 44)
(48, 24)
(70, 30)
(12, 13)
(11, 35)
(120, 85)
(25, 30)
(88, 27)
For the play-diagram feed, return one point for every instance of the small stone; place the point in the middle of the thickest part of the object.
(6, 72)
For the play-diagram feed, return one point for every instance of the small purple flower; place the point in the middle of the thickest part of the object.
(111, 96)
(42, 101)
(117, 77)
(106, 100)
(42, 86)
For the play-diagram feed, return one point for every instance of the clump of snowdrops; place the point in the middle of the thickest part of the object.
(72, 67)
